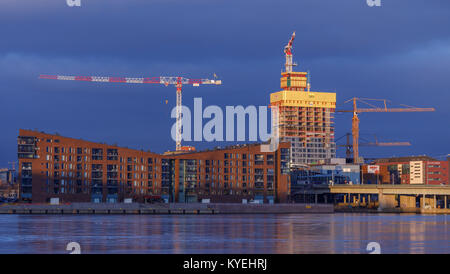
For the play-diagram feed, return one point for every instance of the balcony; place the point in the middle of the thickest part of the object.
(112, 154)
(112, 168)
(97, 157)
(259, 171)
(26, 182)
(27, 174)
(97, 168)
(97, 175)
(26, 140)
(112, 184)
(259, 184)
(259, 178)
(112, 175)
(112, 157)
(26, 166)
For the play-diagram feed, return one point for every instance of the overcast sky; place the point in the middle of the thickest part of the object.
(400, 51)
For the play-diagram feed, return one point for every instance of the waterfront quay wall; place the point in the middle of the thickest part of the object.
(171, 208)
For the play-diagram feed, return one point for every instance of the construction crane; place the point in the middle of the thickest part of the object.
(372, 108)
(177, 81)
(349, 147)
(288, 52)
(13, 165)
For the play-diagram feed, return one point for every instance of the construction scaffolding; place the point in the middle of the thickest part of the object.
(305, 117)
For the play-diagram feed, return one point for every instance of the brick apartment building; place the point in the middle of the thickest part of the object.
(408, 170)
(73, 170)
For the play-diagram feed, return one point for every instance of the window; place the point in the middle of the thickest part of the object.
(259, 159)
(97, 154)
(259, 171)
(112, 155)
(270, 159)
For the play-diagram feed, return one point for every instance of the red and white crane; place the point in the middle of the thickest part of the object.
(177, 81)
(288, 52)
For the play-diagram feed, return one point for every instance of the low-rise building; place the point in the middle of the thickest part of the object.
(73, 170)
(407, 170)
(8, 186)
(6, 176)
(336, 172)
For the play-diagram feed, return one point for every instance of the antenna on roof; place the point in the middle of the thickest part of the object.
(308, 85)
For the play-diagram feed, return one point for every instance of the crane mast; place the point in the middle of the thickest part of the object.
(288, 52)
(349, 146)
(178, 122)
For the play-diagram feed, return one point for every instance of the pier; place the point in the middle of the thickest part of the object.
(172, 208)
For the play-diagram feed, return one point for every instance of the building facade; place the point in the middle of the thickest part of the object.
(73, 170)
(305, 119)
(7, 176)
(408, 170)
(8, 186)
(329, 174)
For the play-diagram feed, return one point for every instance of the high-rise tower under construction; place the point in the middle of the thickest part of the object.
(305, 117)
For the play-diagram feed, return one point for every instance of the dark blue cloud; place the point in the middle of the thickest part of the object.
(400, 51)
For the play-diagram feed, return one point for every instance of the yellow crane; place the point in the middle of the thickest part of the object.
(372, 108)
(349, 147)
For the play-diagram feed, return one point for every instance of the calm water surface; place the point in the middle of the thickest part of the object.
(295, 233)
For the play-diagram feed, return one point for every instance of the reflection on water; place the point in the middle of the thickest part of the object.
(301, 233)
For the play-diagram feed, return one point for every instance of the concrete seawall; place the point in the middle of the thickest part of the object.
(173, 208)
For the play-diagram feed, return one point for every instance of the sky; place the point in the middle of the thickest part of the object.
(399, 51)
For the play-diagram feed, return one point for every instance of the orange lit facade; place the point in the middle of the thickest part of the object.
(73, 170)
(305, 119)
